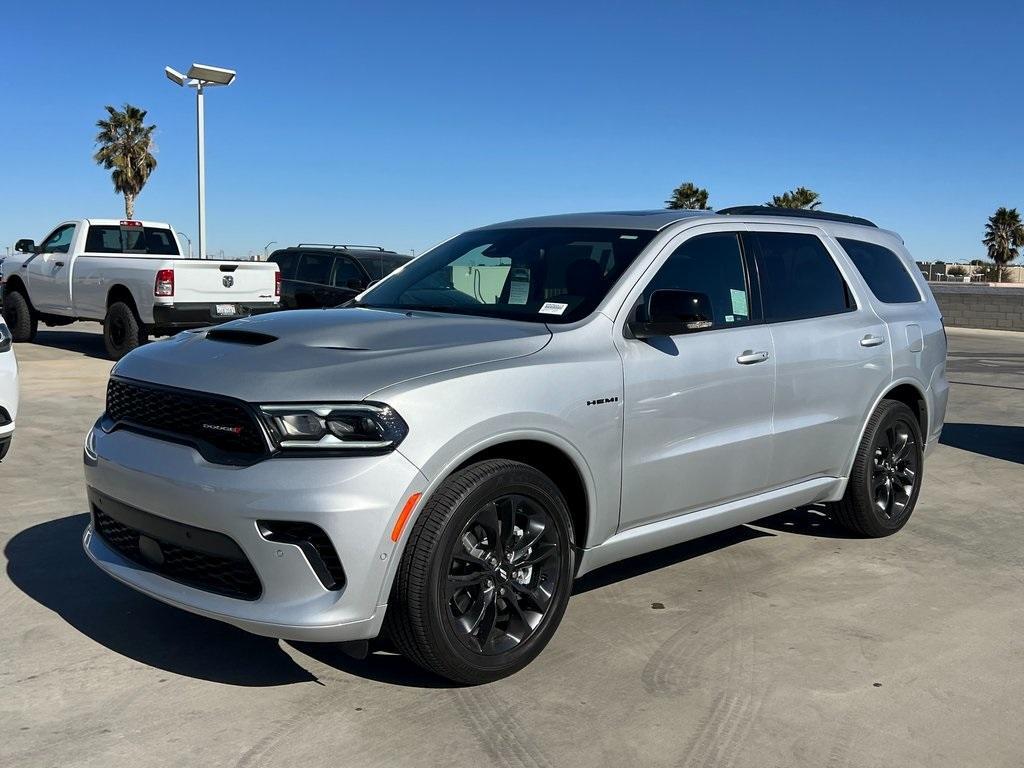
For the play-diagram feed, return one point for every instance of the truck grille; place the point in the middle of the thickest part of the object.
(229, 576)
(224, 431)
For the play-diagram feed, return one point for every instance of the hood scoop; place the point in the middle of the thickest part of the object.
(233, 336)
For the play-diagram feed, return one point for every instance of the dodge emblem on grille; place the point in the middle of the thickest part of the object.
(223, 428)
(228, 281)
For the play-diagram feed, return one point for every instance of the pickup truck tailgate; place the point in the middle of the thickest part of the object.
(197, 280)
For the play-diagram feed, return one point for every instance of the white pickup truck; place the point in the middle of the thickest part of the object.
(130, 276)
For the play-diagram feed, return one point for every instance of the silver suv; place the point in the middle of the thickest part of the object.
(522, 404)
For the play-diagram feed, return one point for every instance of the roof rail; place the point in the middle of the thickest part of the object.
(343, 247)
(796, 213)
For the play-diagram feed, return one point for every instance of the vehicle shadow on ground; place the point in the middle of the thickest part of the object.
(663, 558)
(1000, 441)
(47, 563)
(813, 520)
(87, 344)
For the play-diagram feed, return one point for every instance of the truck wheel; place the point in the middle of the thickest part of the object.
(486, 574)
(122, 330)
(19, 316)
(887, 472)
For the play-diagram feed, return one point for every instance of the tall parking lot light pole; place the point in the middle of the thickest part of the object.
(200, 77)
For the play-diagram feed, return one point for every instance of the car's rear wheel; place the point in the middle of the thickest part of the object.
(887, 472)
(122, 330)
(19, 317)
(486, 574)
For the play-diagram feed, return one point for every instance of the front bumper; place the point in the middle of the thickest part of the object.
(354, 500)
(185, 316)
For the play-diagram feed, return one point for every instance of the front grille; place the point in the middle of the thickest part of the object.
(220, 428)
(227, 576)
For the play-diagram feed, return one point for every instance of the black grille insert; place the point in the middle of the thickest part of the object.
(223, 430)
(215, 563)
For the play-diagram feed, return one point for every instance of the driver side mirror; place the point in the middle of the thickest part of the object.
(672, 312)
(355, 284)
(25, 245)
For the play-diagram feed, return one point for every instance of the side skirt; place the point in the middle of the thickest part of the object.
(665, 533)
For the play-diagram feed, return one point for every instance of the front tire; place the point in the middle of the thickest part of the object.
(486, 574)
(19, 317)
(887, 473)
(122, 330)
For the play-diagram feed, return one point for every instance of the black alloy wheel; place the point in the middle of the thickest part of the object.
(504, 569)
(485, 575)
(886, 476)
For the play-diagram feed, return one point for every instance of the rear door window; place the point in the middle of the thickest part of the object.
(346, 272)
(799, 278)
(315, 268)
(883, 271)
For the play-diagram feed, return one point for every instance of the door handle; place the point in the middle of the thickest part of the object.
(59, 264)
(872, 341)
(749, 357)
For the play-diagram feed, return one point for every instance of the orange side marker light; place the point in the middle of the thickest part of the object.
(396, 532)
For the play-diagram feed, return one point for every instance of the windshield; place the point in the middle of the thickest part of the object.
(546, 275)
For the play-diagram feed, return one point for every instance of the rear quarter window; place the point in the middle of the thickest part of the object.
(883, 271)
(286, 262)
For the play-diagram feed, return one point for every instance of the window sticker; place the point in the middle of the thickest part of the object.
(519, 286)
(552, 308)
(739, 302)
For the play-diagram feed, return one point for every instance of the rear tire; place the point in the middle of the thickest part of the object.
(122, 330)
(887, 473)
(486, 573)
(19, 317)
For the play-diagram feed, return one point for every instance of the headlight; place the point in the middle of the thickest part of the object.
(5, 338)
(344, 428)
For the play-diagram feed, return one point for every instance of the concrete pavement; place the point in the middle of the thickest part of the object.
(781, 644)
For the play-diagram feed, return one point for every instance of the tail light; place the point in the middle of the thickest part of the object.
(164, 283)
(277, 283)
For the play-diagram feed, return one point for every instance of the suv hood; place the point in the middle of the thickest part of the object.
(327, 355)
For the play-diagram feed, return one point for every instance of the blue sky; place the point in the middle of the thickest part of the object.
(401, 124)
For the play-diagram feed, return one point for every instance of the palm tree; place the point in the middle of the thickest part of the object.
(688, 195)
(1004, 237)
(801, 197)
(125, 149)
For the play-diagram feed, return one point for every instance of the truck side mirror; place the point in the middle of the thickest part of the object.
(25, 245)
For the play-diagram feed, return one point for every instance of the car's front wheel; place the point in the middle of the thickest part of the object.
(886, 477)
(486, 574)
(19, 317)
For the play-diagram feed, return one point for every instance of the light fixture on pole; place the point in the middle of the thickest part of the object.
(189, 243)
(200, 77)
(265, 247)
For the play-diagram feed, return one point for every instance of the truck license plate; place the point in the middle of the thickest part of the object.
(223, 310)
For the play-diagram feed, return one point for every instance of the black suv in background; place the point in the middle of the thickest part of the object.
(318, 275)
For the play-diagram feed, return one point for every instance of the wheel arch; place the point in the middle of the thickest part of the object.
(121, 292)
(15, 283)
(546, 452)
(554, 462)
(907, 391)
